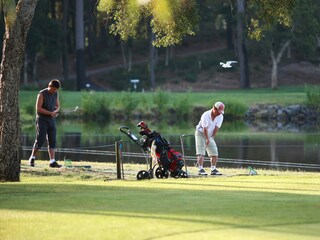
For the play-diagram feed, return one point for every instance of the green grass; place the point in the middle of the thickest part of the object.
(62, 204)
(284, 95)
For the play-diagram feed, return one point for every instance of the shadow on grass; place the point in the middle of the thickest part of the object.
(243, 209)
(312, 187)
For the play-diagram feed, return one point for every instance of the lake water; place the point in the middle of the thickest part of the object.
(239, 146)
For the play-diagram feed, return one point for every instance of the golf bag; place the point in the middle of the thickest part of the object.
(169, 161)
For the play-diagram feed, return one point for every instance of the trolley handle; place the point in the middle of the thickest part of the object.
(128, 132)
(124, 129)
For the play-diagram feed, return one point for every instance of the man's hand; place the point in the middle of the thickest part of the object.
(205, 131)
(55, 113)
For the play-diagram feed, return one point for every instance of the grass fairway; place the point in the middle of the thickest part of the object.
(63, 204)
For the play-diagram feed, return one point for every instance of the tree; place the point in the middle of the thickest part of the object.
(170, 21)
(263, 15)
(258, 16)
(301, 36)
(44, 38)
(275, 61)
(17, 23)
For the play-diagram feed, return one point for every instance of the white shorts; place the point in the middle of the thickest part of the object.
(201, 148)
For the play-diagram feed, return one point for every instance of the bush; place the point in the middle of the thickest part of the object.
(313, 96)
(144, 103)
(127, 102)
(161, 100)
(30, 109)
(234, 109)
(183, 107)
(95, 107)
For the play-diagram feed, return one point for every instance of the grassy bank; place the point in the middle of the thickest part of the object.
(64, 204)
(284, 96)
(183, 105)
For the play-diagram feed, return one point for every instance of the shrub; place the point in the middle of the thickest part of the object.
(30, 109)
(95, 107)
(144, 103)
(161, 100)
(234, 109)
(127, 102)
(183, 107)
(313, 96)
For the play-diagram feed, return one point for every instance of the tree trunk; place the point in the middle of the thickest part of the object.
(34, 70)
(275, 62)
(129, 60)
(65, 64)
(274, 78)
(25, 71)
(152, 63)
(123, 54)
(242, 53)
(16, 28)
(171, 52)
(167, 57)
(229, 31)
(53, 9)
(91, 27)
(81, 73)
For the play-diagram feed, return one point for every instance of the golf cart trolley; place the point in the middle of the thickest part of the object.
(166, 161)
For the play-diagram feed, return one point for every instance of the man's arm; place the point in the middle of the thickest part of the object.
(205, 131)
(216, 129)
(57, 105)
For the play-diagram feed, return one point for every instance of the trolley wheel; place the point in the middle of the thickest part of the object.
(179, 174)
(183, 174)
(143, 174)
(160, 173)
(150, 172)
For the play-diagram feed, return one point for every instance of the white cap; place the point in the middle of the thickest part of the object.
(220, 107)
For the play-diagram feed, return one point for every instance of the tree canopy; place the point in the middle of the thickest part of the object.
(173, 20)
(170, 20)
(262, 15)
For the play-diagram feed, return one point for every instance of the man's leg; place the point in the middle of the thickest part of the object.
(212, 150)
(51, 152)
(53, 162)
(214, 161)
(200, 160)
(52, 132)
(41, 130)
(200, 151)
(32, 157)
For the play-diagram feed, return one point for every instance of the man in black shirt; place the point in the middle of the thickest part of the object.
(47, 108)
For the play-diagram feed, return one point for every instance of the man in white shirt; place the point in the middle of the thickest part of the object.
(206, 130)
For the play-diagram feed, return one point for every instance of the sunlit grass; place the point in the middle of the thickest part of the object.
(271, 205)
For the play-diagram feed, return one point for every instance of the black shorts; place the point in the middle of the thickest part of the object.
(45, 130)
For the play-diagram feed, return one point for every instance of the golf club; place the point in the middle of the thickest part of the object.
(69, 111)
(72, 110)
